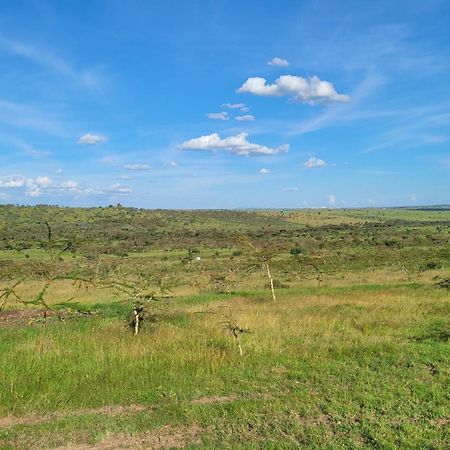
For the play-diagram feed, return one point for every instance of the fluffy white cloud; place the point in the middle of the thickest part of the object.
(44, 185)
(245, 118)
(238, 145)
(43, 182)
(258, 86)
(18, 181)
(35, 187)
(70, 185)
(264, 171)
(304, 90)
(332, 199)
(314, 162)
(137, 167)
(34, 192)
(218, 116)
(91, 139)
(13, 181)
(278, 62)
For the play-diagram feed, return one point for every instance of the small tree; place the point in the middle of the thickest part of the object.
(140, 291)
(51, 272)
(263, 257)
(230, 325)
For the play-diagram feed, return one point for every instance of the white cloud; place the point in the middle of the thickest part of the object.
(314, 162)
(12, 181)
(34, 192)
(18, 181)
(137, 167)
(245, 118)
(258, 86)
(233, 105)
(238, 145)
(70, 185)
(241, 106)
(43, 182)
(171, 164)
(264, 171)
(91, 139)
(119, 189)
(58, 171)
(43, 185)
(278, 62)
(332, 199)
(125, 177)
(414, 198)
(312, 90)
(3, 196)
(218, 116)
(291, 189)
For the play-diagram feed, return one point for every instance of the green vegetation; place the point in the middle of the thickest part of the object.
(353, 353)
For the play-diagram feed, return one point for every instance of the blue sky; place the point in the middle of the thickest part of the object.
(225, 104)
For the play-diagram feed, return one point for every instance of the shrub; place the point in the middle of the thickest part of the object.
(431, 265)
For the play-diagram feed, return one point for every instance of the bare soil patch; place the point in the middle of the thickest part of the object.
(214, 399)
(27, 316)
(164, 438)
(109, 410)
(315, 421)
(34, 419)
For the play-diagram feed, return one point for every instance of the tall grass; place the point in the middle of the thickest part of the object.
(360, 360)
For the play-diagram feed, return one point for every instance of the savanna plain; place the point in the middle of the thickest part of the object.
(133, 328)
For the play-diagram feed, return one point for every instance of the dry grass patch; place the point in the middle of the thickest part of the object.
(35, 419)
(164, 438)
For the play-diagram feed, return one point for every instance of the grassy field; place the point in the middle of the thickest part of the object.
(354, 352)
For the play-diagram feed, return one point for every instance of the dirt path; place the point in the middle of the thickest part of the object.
(111, 410)
(164, 438)
(34, 419)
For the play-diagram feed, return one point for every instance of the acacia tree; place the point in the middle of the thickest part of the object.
(231, 326)
(142, 291)
(51, 271)
(262, 257)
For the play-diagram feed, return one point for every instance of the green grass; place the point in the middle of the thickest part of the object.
(353, 354)
(323, 368)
